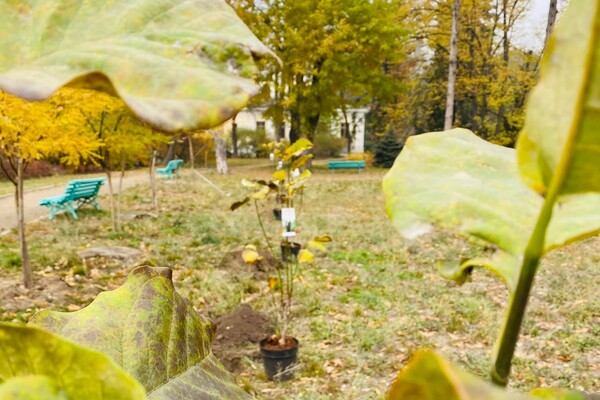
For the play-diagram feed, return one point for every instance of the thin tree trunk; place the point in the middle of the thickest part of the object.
(449, 117)
(119, 191)
(234, 138)
(221, 153)
(19, 198)
(191, 147)
(171, 151)
(552, 12)
(153, 181)
(295, 126)
(112, 200)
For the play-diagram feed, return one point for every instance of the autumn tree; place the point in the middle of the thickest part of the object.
(492, 77)
(125, 139)
(33, 131)
(333, 55)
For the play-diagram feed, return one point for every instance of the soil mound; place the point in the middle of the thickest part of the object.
(238, 334)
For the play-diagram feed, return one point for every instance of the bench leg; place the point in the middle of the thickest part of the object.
(52, 212)
(71, 209)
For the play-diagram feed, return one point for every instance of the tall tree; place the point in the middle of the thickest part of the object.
(452, 65)
(552, 13)
(33, 131)
(492, 76)
(332, 54)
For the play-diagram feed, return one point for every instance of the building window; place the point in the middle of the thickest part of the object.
(260, 126)
(345, 129)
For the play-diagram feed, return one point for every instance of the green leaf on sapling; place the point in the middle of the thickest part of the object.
(431, 377)
(297, 148)
(562, 121)
(458, 181)
(36, 364)
(178, 64)
(154, 334)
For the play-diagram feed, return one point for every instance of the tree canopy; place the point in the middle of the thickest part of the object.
(334, 54)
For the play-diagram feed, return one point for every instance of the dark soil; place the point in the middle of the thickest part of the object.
(273, 343)
(238, 334)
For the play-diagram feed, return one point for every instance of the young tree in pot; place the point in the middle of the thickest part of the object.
(279, 351)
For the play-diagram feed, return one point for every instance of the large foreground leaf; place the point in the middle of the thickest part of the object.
(561, 135)
(431, 377)
(149, 329)
(458, 181)
(179, 64)
(37, 365)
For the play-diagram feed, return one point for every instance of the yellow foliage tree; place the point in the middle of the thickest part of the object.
(32, 131)
(125, 139)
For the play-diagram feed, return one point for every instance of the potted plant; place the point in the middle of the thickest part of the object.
(279, 351)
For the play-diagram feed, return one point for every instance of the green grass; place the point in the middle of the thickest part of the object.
(364, 308)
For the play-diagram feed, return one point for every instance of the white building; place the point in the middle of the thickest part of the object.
(252, 118)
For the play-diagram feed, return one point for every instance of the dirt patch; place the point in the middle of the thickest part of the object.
(238, 334)
(54, 289)
(261, 271)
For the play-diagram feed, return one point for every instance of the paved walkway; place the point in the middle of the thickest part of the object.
(8, 213)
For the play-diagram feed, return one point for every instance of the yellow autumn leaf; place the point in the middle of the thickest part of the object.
(261, 194)
(314, 244)
(250, 255)
(306, 257)
(279, 175)
(273, 283)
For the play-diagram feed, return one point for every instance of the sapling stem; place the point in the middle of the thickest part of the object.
(262, 227)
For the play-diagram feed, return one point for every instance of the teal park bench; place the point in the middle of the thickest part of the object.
(360, 165)
(171, 168)
(77, 194)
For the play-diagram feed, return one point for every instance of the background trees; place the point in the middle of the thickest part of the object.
(394, 57)
(31, 131)
(334, 54)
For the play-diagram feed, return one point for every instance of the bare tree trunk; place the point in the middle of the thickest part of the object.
(119, 191)
(221, 153)
(153, 181)
(234, 138)
(112, 200)
(19, 198)
(191, 147)
(552, 11)
(449, 117)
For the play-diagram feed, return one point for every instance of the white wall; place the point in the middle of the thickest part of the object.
(248, 118)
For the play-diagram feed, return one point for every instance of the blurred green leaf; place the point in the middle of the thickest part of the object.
(39, 365)
(560, 136)
(178, 64)
(431, 377)
(151, 331)
(297, 148)
(458, 181)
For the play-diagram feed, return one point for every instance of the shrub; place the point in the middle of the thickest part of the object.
(387, 150)
(328, 145)
(251, 143)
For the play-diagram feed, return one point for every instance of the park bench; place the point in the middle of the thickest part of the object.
(360, 165)
(171, 168)
(77, 194)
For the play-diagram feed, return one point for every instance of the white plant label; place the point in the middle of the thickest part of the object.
(288, 221)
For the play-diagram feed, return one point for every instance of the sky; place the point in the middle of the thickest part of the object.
(531, 29)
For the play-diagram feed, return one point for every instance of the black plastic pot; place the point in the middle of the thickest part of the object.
(277, 213)
(289, 249)
(279, 363)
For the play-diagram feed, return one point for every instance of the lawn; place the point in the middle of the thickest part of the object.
(360, 312)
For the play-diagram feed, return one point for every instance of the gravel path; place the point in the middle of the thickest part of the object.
(8, 214)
